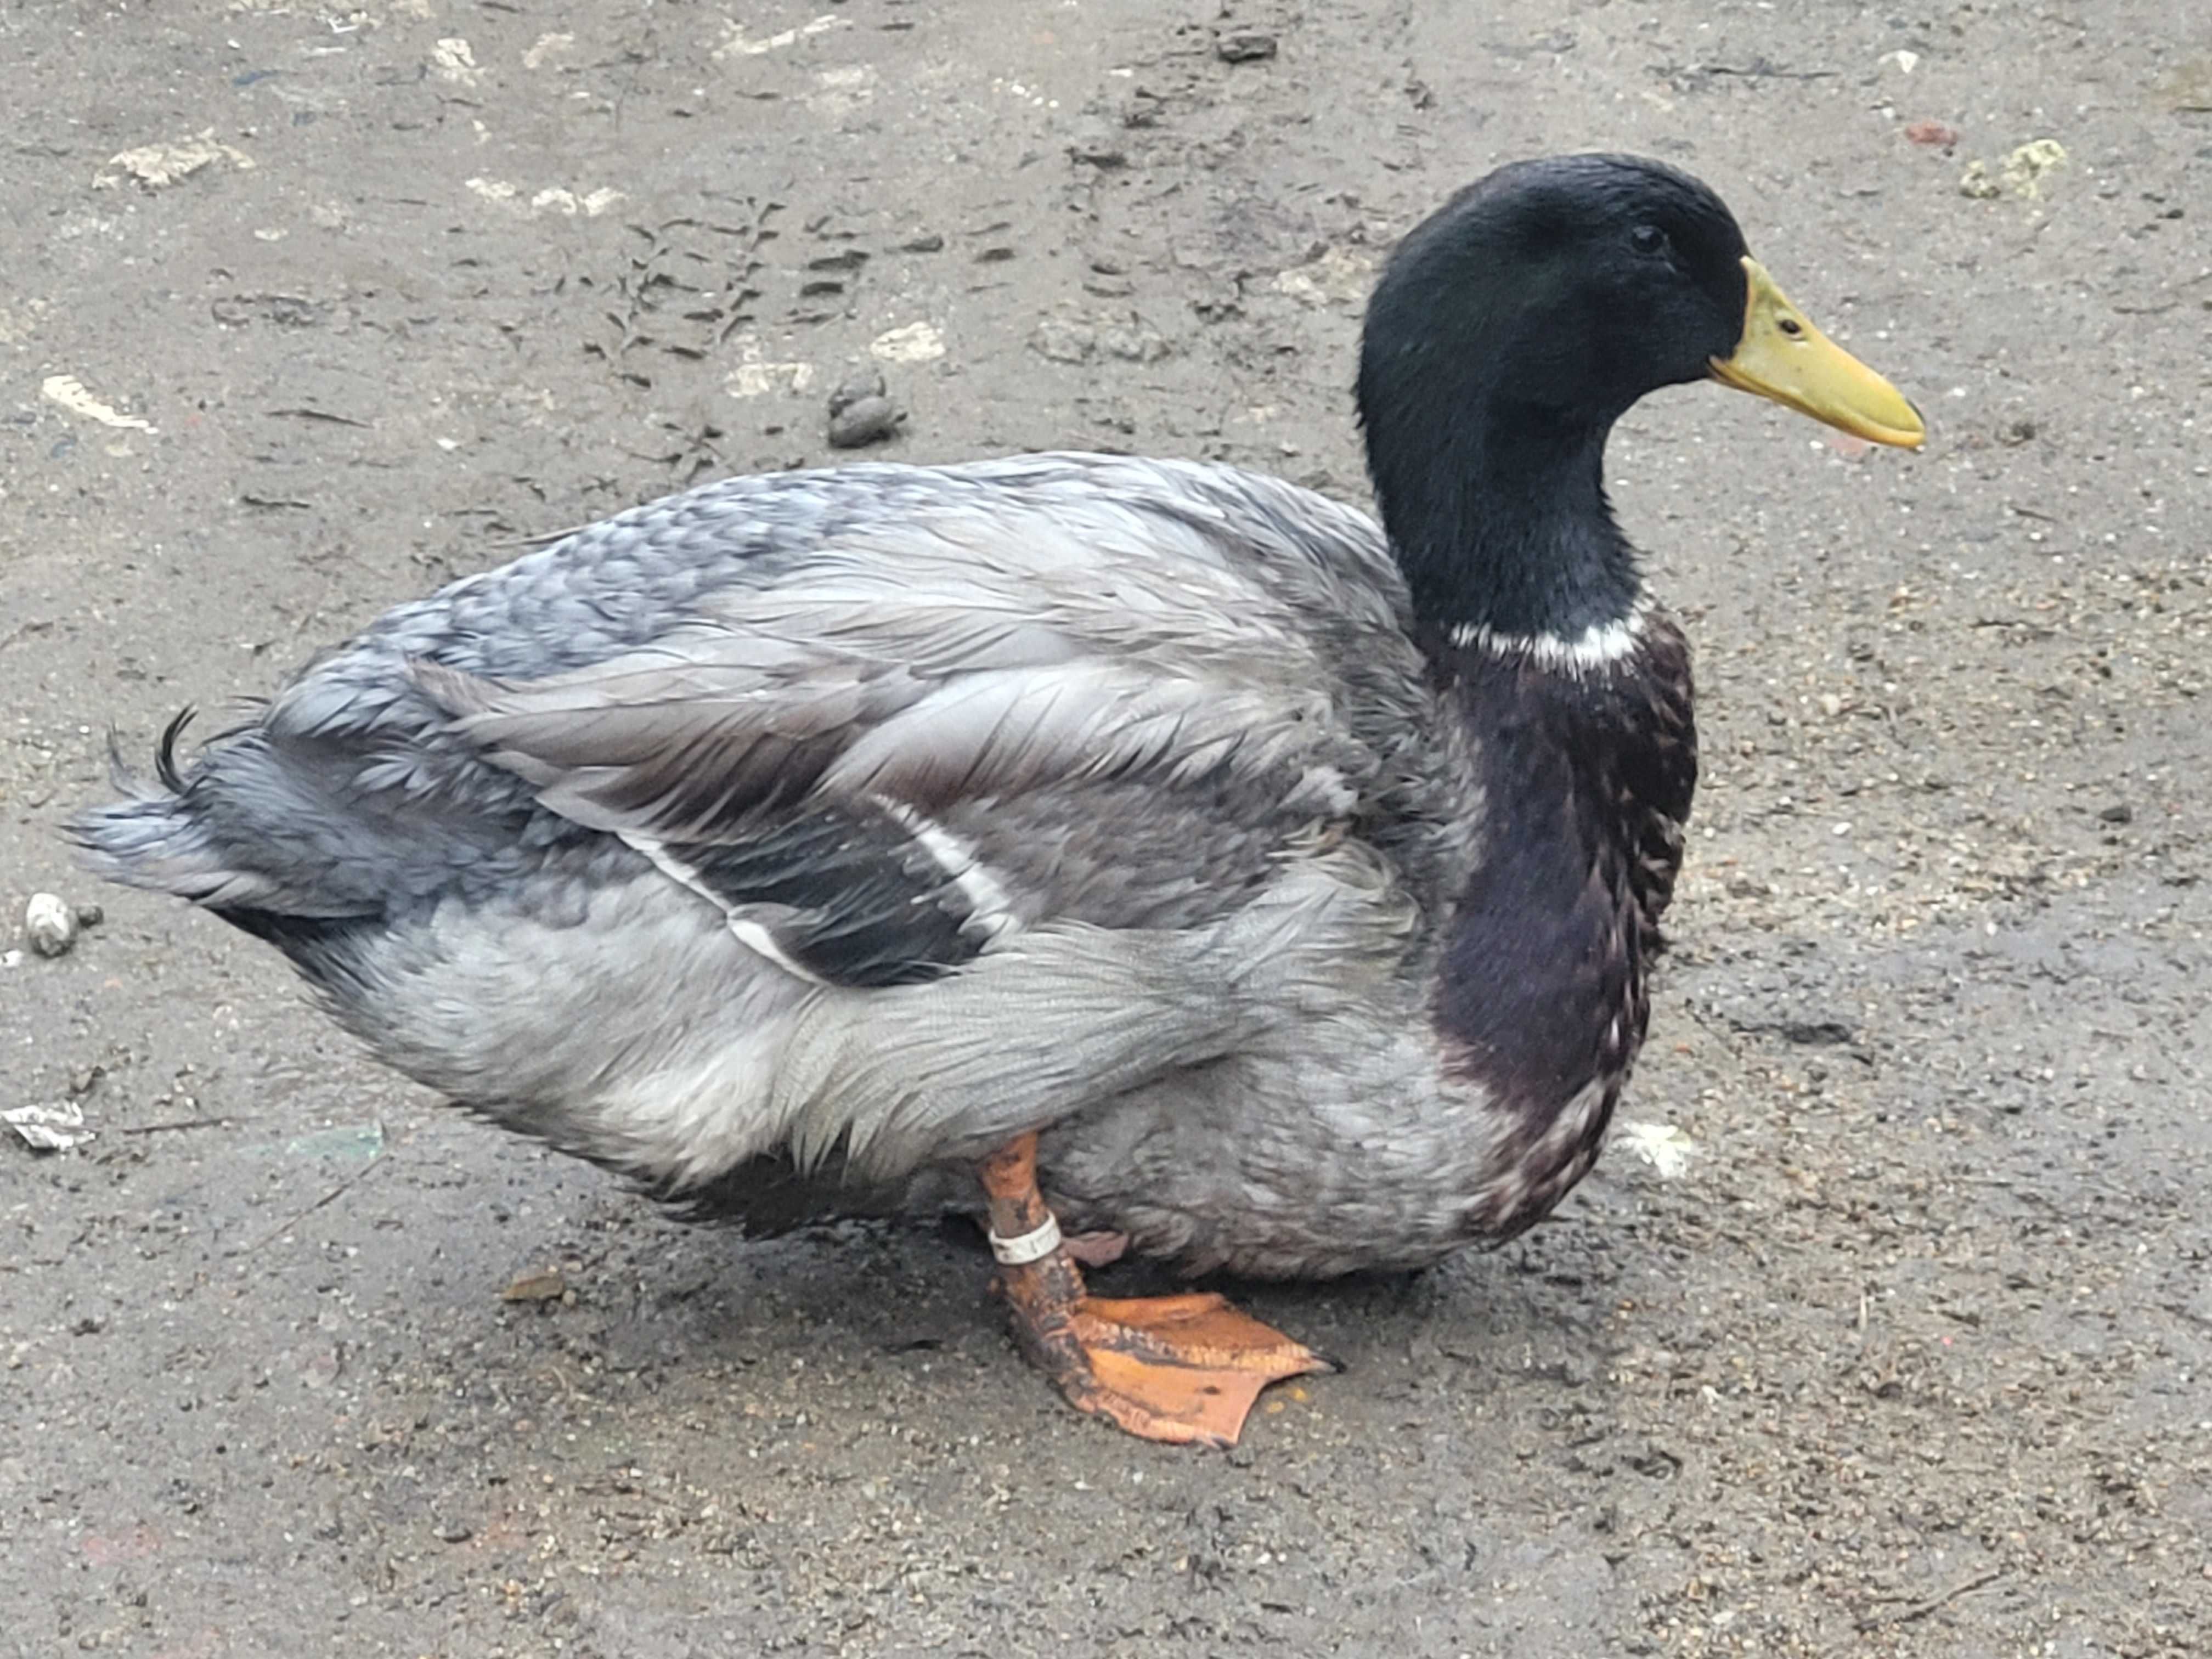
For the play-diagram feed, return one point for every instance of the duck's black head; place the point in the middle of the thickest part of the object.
(1579, 282)
(1510, 331)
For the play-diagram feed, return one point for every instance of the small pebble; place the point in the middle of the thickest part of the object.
(90, 915)
(547, 1285)
(2119, 812)
(1063, 341)
(869, 421)
(1245, 46)
(50, 925)
(1975, 184)
(861, 383)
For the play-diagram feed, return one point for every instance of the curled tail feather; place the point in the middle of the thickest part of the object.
(153, 837)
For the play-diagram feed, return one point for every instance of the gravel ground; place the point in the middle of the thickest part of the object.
(1909, 1359)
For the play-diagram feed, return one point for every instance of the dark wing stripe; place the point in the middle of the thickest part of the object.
(848, 897)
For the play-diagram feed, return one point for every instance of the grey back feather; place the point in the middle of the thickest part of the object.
(958, 653)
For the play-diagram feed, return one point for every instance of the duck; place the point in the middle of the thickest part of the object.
(1148, 856)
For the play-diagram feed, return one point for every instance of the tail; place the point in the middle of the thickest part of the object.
(154, 837)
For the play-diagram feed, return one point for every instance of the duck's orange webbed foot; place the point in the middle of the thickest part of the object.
(1183, 1369)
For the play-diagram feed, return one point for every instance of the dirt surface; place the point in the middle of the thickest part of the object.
(1911, 1359)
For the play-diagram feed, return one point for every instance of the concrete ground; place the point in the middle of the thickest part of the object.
(306, 309)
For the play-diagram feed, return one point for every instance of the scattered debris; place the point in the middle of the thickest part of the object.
(1060, 340)
(1699, 77)
(1101, 153)
(735, 43)
(1133, 343)
(1906, 61)
(861, 383)
(861, 412)
(350, 1143)
(1919, 1610)
(552, 199)
(754, 377)
(548, 46)
(2027, 167)
(176, 1124)
(1335, 276)
(843, 89)
(865, 421)
(19, 322)
(50, 925)
(53, 1128)
(1244, 46)
(156, 166)
(547, 1285)
(916, 342)
(1975, 184)
(455, 60)
(590, 205)
(2023, 173)
(1068, 340)
(2188, 90)
(1663, 1147)
(1140, 107)
(1934, 134)
(68, 391)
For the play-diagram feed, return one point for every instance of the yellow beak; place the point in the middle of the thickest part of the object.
(1783, 356)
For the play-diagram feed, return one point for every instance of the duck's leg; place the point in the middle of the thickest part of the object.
(1175, 1367)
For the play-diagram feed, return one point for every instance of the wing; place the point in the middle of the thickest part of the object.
(932, 735)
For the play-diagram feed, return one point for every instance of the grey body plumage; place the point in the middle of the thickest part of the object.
(1138, 757)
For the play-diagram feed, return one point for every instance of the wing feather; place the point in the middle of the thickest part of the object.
(995, 680)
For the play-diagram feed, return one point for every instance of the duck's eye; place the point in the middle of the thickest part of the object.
(1790, 326)
(1648, 239)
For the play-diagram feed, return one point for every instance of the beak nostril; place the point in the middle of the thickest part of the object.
(1780, 354)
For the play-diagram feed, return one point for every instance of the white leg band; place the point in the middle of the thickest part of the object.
(1029, 1247)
